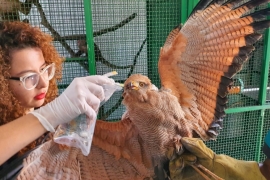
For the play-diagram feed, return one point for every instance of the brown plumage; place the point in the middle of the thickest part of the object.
(196, 66)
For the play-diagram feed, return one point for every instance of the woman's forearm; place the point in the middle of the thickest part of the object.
(17, 134)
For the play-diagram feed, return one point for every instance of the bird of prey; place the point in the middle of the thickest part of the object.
(196, 66)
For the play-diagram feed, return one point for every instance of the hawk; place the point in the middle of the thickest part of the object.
(196, 66)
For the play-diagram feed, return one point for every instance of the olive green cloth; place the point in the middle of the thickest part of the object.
(223, 166)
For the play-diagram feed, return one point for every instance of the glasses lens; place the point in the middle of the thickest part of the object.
(31, 81)
(48, 72)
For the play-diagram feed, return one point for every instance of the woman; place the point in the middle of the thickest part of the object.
(25, 50)
(28, 64)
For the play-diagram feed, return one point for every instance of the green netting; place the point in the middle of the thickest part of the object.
(127, 36)
(266, 127)
(239, 136)
(249, 80)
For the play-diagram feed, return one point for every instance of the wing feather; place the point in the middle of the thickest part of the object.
(116, 153)
(198, 61)
(122, 140)
(114, 137)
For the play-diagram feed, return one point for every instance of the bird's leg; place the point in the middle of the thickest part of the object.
(178, 150)
(174, 148)
(197, 167)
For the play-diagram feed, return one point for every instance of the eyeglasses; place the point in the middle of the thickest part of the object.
(30, 81)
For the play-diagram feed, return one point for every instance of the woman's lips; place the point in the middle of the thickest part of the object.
(40, 96)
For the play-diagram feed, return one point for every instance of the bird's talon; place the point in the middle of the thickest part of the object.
(180, 150)
(178, 146)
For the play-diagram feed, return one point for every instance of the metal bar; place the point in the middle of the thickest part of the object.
(263, 91)
(89, 37)
(195, 2)
(260, 136)
(254, 89)
(245, 109)
(184, 11)
(189, 7)
(265, 68)
(186, 8)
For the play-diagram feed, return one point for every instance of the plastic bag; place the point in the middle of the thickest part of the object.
(79, 132)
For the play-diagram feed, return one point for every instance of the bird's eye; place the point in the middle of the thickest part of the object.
(141, 84)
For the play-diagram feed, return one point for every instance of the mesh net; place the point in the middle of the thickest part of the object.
(266, 127)
(240, 136)
(127, 38)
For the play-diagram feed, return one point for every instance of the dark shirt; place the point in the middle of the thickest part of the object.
(266, 147)
(10, 169)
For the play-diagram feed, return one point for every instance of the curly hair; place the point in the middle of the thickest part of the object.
(15, 36)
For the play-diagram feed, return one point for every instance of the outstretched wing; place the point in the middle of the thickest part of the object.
(117, 152)
(199, 60)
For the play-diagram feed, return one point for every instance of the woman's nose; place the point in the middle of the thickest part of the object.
(43, 82)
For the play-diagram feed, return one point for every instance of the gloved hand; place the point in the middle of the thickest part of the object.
(223, 166)
(83, 95)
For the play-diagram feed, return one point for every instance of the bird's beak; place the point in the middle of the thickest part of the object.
(133, 85)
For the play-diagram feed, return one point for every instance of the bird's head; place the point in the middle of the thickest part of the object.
(136, 86)
(137, 82)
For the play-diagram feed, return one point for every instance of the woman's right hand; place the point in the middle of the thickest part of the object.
(83, 95)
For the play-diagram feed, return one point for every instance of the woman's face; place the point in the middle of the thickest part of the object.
(23, 62)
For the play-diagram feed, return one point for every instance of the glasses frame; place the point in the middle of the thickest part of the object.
(22, 78)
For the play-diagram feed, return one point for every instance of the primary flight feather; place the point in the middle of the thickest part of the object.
(196, 66)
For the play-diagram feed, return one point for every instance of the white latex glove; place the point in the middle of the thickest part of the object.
(83, 95)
